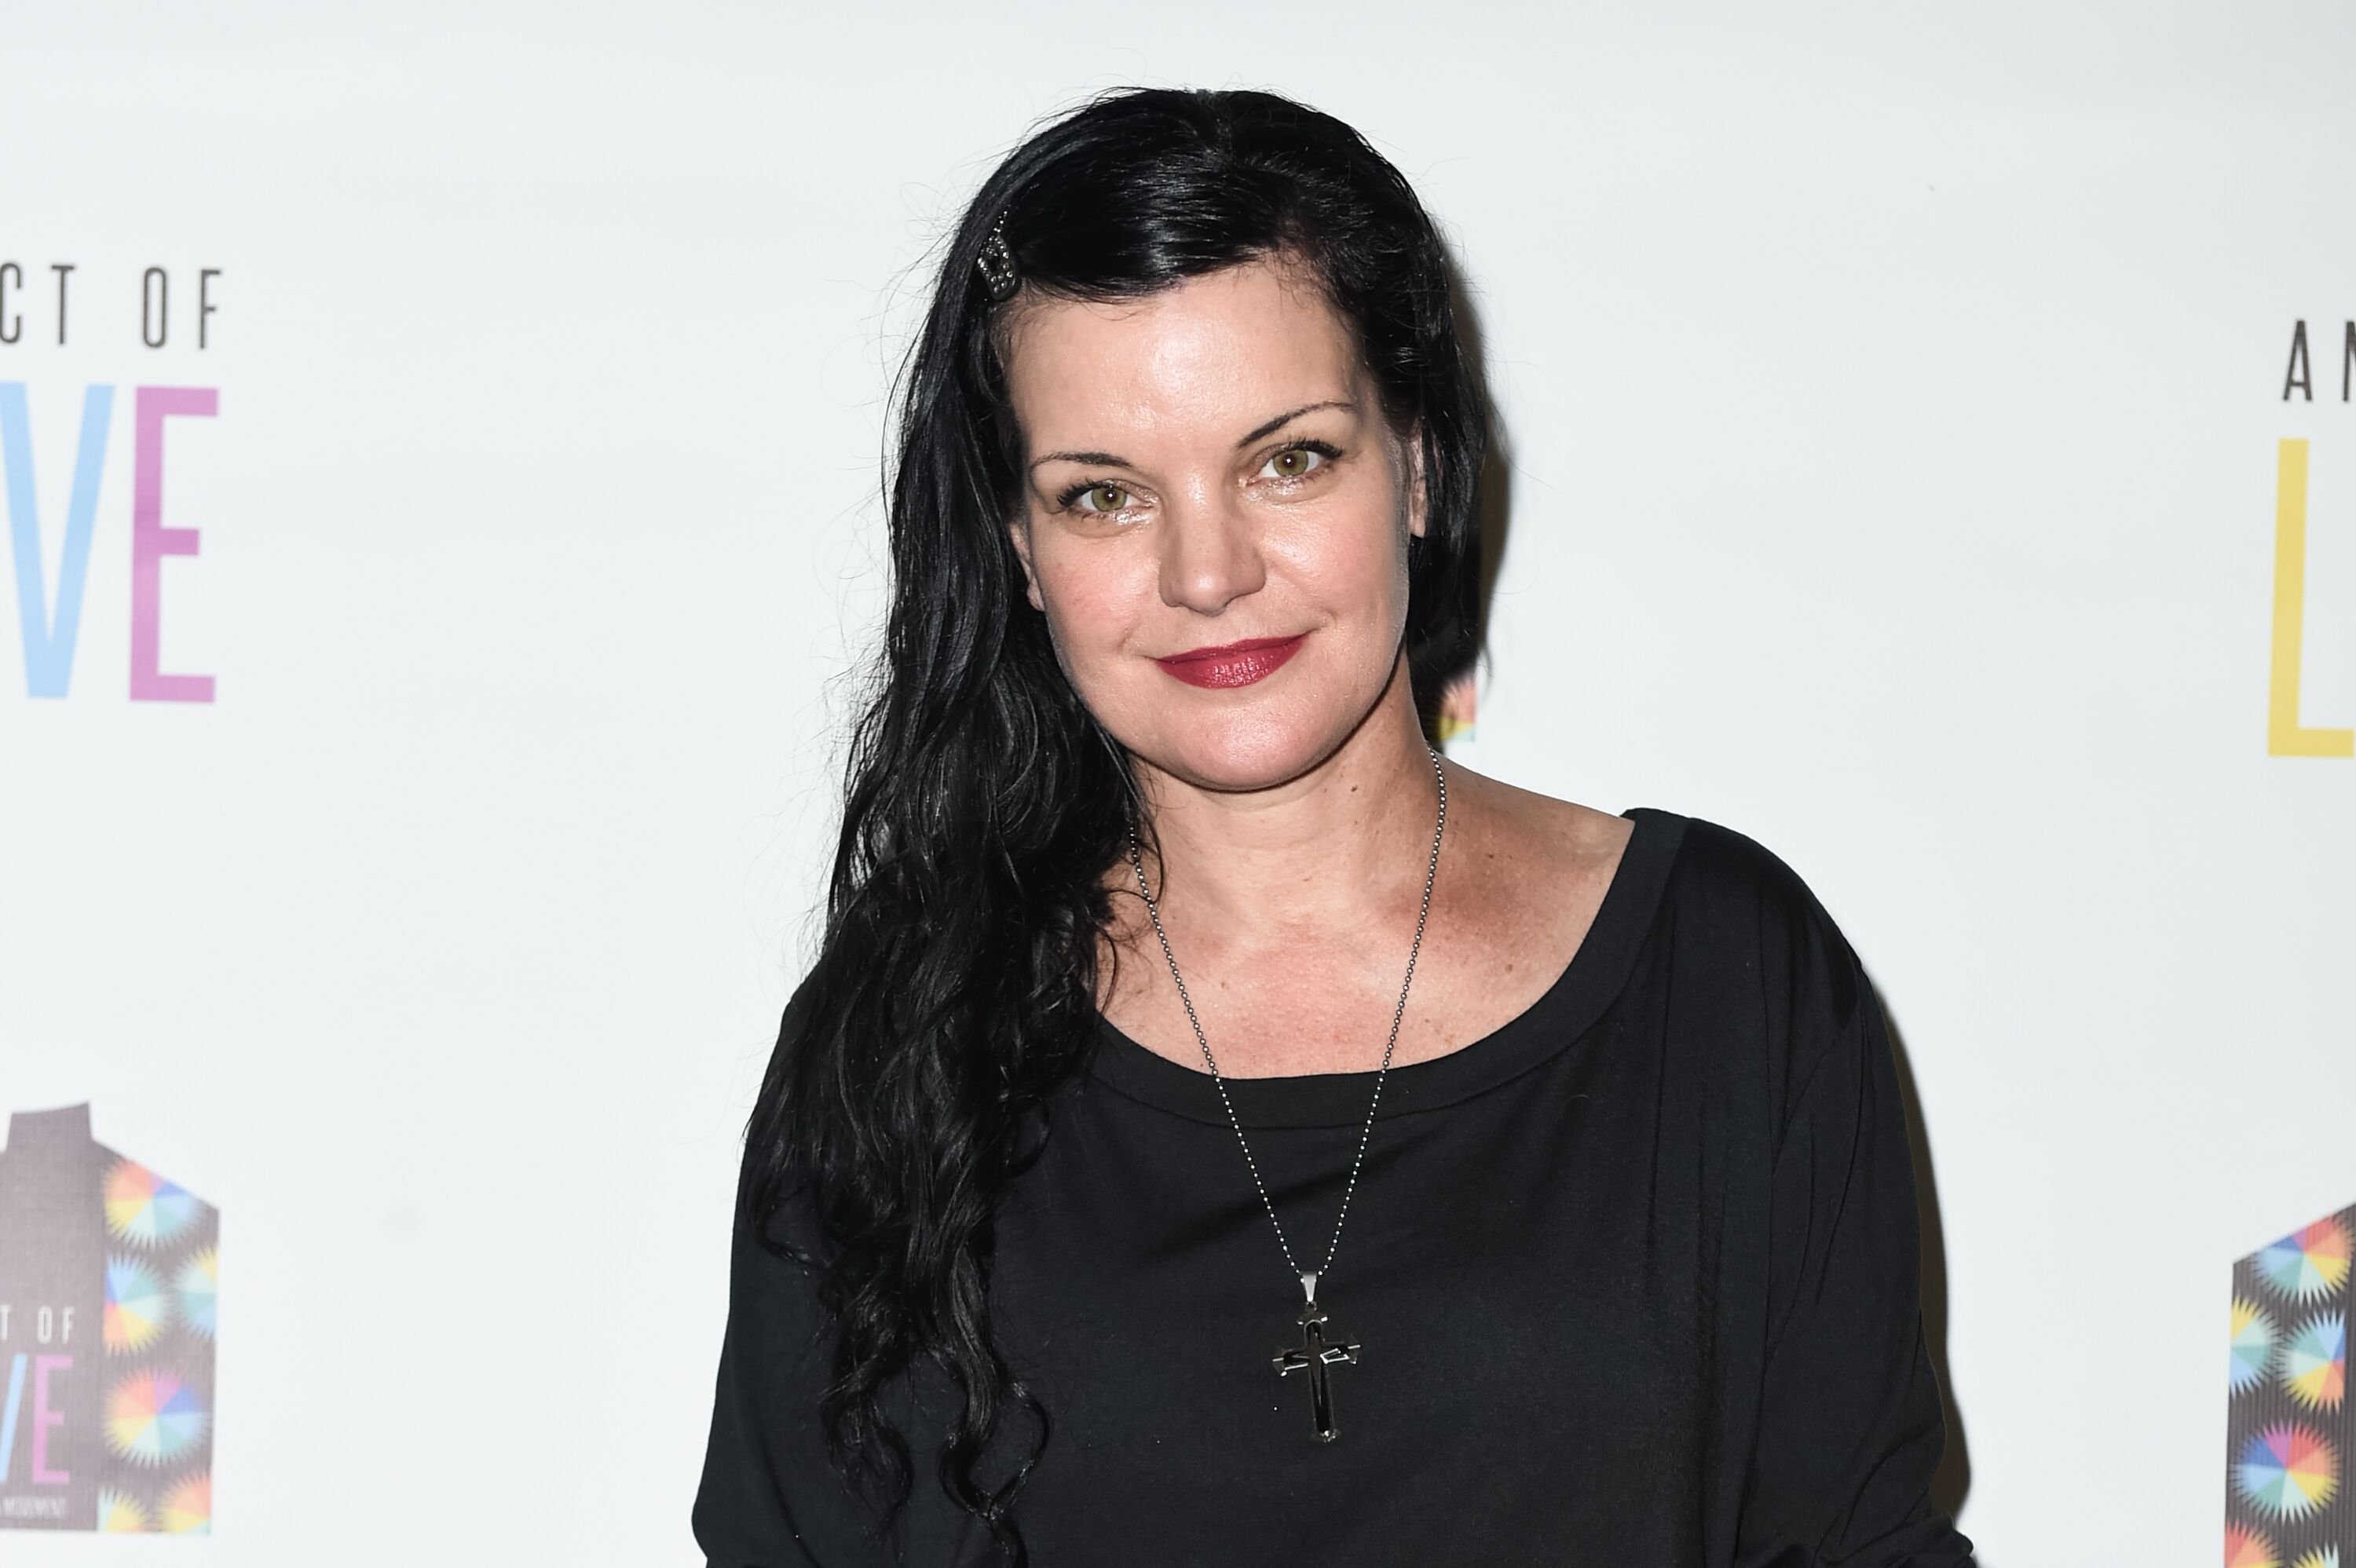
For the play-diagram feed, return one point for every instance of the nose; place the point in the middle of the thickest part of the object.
(1210, 555)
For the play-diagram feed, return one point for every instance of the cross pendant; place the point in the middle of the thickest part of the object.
(1314, 1357)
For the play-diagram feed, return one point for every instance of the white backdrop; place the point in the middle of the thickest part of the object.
(1892, 398)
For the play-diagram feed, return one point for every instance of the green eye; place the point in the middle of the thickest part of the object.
(1294, 462)
(1103, 498)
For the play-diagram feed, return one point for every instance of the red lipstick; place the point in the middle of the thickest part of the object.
(1232, 663)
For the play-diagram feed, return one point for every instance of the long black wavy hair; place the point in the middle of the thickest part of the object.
(957, 982)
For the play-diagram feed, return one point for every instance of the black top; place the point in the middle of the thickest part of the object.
(1633, 1279)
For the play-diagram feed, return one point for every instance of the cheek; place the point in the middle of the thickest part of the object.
(1096, 594)
(1349, 561)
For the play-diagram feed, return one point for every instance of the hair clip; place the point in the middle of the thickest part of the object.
(996, 264)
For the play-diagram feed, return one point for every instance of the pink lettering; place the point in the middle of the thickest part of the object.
(44, 1418)
(151, 541)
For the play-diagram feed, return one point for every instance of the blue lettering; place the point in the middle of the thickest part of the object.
(50, 642)
(8, 1421)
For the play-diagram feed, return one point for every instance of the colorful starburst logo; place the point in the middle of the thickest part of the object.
(2252, 1347)
(2288, 1470)
(2247, 1548)
(138, 1306)
(2309, 1263)
(153, 1418)
(143, 1209)
(2315, 1362)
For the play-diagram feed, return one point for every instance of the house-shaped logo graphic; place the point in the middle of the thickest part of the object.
(2291, 1429)
(109, 1292)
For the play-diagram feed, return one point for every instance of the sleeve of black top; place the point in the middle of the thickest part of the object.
(1849, 1429)
(768, 1496)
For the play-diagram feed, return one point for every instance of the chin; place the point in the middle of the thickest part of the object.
(1249, 750)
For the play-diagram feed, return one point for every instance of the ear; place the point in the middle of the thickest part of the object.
(1018, 532)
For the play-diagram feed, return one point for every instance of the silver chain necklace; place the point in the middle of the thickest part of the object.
(1314, 1354)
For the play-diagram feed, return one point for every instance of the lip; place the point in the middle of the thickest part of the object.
(1232, 664)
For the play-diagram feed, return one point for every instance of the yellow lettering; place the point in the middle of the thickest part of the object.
(2285, 736)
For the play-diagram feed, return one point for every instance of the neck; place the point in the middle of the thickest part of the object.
(1313, 848)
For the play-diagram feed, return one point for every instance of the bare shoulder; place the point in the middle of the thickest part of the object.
(1517, 893)
(1516, 828)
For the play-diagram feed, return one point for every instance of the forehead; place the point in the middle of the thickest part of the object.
(1214, 355)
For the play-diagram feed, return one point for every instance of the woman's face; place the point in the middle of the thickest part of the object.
(1216, 519)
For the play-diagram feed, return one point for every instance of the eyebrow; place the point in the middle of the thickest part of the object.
(1109, 460)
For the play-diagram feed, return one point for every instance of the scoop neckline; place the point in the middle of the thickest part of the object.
(1589, 980)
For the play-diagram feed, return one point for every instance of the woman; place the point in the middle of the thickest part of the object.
(1216, 1130)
